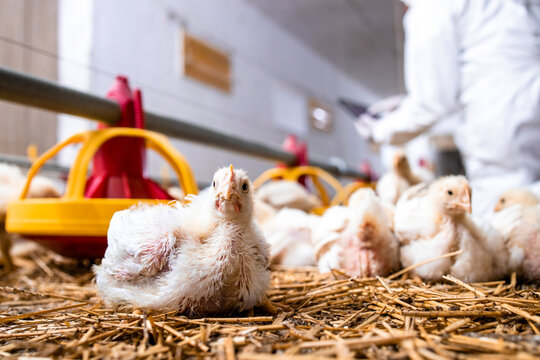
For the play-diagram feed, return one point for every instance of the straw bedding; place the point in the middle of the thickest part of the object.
(49, 308)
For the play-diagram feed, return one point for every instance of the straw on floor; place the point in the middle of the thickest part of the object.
(49, 307)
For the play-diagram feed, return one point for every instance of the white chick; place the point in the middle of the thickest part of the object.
(326, 235)
(289, 234)
(514, 197)
(12, 181)
(432, 221)
(207, 257)
(517, 218)
(263, 212)
(176, 193)
(281, 209)
(394, 183)
(287, 194)
(362, 242)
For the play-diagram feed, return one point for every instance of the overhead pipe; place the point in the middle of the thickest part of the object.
(32, 91)
(24, 162)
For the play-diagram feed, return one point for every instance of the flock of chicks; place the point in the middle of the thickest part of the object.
(412, 218)
(213, 254)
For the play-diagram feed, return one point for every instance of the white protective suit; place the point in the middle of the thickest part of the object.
(481, 57)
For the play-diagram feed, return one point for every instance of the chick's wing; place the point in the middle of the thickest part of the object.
(410, 215)
(142, 239)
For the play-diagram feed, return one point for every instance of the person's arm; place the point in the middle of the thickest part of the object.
(431, 72)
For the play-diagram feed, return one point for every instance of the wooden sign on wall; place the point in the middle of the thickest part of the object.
(206, 63)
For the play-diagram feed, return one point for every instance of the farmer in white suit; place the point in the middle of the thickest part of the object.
(482, 58)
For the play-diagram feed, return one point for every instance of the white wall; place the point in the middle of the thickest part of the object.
(75, 28)
(139, 38)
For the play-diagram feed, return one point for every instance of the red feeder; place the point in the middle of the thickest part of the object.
(119, 164)
(76, 224)
(299, 149)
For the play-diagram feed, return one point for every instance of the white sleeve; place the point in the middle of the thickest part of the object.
(431, 72)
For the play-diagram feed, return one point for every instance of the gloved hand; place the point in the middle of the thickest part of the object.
(364, 125)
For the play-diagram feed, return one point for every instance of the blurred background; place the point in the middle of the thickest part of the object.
(282, 68)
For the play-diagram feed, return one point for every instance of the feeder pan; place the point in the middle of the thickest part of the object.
(75, 225)
(295, 173)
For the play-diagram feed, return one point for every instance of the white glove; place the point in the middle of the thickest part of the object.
(364, 125)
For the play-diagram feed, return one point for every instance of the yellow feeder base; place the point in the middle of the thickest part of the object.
(74, 225)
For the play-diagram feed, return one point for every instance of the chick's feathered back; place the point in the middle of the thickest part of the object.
(287, 194)
(289, 233)
(520, 227)
(358, 238)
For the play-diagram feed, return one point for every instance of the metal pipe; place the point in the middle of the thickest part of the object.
(22, 161)
(29, 90)
(190, 132)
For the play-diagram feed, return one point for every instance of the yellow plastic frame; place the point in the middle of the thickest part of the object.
(294, 173)
(342, 197)
(73, 214)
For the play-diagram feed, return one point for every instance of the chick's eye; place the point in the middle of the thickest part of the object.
(450, 192)
(503, 201)
(214, 183)
(244, 187)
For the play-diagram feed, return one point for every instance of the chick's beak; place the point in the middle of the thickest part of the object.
(228, 191)
(465, 201)
(498, 207)
(229, 185)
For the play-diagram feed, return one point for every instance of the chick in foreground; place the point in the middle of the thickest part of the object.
(358, 238)
(434, 220)
(517, 218)
(206, 257)
(394, 183)
(12, 182)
